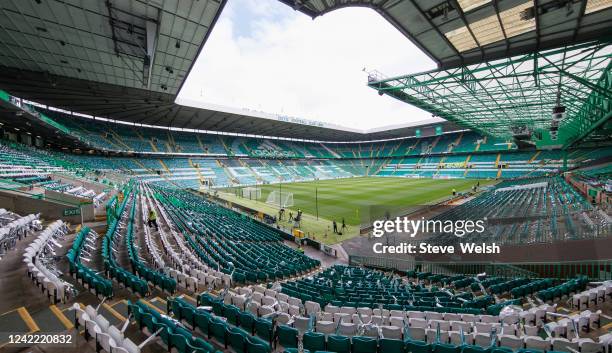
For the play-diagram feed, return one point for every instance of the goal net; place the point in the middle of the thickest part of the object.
(280, 198)
(251, 193)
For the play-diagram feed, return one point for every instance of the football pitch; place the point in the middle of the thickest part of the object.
(356, 200)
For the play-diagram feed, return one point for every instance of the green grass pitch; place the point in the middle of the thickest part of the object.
(355, 199)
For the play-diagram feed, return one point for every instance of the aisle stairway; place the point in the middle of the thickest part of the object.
(229, 175)
(197, 169)
(23, 308)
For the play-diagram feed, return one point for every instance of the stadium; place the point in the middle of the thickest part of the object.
(133, 222)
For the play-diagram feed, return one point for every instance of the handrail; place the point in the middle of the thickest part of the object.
(600, 269)
(605, 261)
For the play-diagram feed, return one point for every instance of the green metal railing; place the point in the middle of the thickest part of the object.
(598, 270)
(5, 96)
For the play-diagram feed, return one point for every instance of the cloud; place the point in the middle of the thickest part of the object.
(263, 55)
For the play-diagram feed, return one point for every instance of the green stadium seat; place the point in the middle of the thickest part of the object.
(364, 345)
(200, 343)
(287, 336)
(237, 339)
(313, 341)
(263, 328)
(202, 322)
(149, 322)
(247, 321)
(179, 342)
(232, 314)
(188, 314)
(257, 346)
(387, 345)
(338, 344)
(218, 308)
(418, 347)
(165, 335)
(218, 330)
(175, 307)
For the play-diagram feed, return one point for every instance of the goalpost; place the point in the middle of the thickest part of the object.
(280, 198)
(251, 193)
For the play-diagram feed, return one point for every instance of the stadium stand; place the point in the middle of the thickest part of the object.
(113, 269)
(529, 210)
(189, 273)
(390, 324)
(201, 247)
(254, 293)
(239, 247)
(448, 156)
(124, 221)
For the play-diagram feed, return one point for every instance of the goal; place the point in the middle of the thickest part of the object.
(280, 198)
(251, 193)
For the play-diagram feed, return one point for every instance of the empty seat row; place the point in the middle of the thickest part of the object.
(593, 296)
(116, 214)
(183, 265)
(107, 337)
(317, 342)
(564, 289)
(249, 251)
(39, 259)
(352, 286)
(340, 337)
(17, 229)
(83, 248)
(154, 276)
(571, 325)
(173, 334)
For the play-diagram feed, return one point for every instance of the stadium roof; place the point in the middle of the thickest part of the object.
(18, 120)
(155, 108)
(510, 96)
(463, 32)
(148, 44)
(126, 60)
